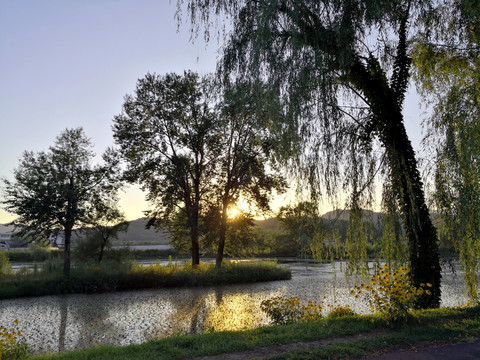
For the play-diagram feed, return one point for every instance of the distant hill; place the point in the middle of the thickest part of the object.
(272, 224)
(368, 215)
(138, 234)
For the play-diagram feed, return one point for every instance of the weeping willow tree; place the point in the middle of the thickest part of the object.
(341, 68)
(447, 66)
(392, 243)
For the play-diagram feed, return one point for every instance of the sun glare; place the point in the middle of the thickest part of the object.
(240, 207)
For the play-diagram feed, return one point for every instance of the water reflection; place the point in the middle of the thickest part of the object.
(63, 305)
(64, 323)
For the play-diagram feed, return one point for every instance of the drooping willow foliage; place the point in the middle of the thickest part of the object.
(392, 244)
(341, 69)
(448, 70)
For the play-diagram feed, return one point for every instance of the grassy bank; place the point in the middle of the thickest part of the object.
(41, 255)
(111, 276)
(439, 325)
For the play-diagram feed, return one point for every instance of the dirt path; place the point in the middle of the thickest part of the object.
(433, 351)
(419, 351)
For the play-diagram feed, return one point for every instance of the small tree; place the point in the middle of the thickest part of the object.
(302, 224)
(59, 190)
(109, 222)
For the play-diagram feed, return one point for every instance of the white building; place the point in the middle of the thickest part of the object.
(5, 236)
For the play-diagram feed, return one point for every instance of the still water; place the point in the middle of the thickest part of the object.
(69, 322)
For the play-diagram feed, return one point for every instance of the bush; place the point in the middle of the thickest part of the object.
(148, 254)
(39, 252)
(284, 310)
(53, 266)
(5, 267)
(391, 294)
(336, 311)
(11, 346)
(31, 256)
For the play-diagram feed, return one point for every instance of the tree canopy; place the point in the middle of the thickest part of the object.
(165, 135)
(58, 190)
(447, 70)
(243, 166)
(195, 151)
(342, 68)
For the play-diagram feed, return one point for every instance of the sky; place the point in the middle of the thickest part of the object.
(69, 63)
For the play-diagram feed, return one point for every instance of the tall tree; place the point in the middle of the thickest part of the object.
(321, 55)
(58, 190)
(244, 169)
(166, 134)
(447, 67)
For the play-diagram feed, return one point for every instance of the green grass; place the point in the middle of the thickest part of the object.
(453, 330)
(27, 256)
(111, 276)
(442, 324)
(41, 255)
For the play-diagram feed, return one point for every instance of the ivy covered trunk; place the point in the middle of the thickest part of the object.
(420, 232)
(387, 121)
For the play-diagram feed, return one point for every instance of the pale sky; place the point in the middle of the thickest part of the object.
(69, 63)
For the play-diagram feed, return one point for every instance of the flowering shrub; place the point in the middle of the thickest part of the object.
(284, 310)
(391, 294)
(336, 311)
(467, 305)
(11, 347)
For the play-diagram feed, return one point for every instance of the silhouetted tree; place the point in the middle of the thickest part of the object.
(342, 69)
(166, 135)
(244, 169)
(59, 190)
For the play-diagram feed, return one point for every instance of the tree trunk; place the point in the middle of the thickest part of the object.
(194, 239)
(66, 251)
(420, 232)
(221, 238)
(385, 104)
(102, 249)
(195, 246)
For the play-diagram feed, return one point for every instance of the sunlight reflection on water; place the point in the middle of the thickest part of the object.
(68, 322)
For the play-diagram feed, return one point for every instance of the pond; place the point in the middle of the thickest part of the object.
(69, 322)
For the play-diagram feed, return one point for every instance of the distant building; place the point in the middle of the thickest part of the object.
(57, 240)
(4, 237)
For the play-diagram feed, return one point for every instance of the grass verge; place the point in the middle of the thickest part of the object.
(442, 324)
(111, 277)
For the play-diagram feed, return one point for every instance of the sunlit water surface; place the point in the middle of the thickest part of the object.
(69, 322)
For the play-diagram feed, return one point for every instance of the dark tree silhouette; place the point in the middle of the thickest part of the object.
(59, 190)
(165, 135)
(342, 69)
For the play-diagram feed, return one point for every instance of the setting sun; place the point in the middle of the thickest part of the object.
(240, 207)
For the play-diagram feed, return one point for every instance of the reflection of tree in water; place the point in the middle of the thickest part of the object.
(190, 313)
(95, 328)
(87, 322)
(236, 311)
(63, 307)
